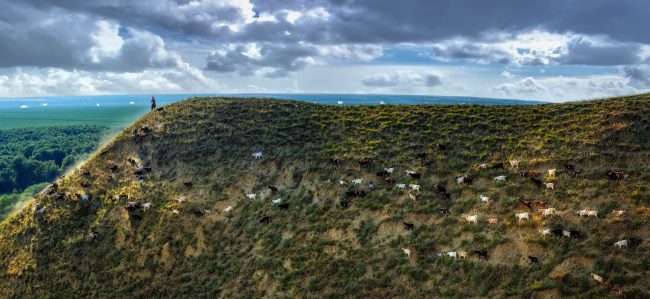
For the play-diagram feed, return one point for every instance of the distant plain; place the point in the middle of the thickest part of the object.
(118, 111)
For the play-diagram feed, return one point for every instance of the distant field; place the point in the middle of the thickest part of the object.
(118, 111)
(110, 116)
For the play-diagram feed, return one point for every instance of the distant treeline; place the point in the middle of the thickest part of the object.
(30, 156)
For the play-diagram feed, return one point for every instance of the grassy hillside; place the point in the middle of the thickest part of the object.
(200, 156)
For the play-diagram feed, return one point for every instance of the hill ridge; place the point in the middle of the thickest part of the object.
(99, 237)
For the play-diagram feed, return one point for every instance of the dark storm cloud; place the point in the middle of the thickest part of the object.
(472, 52)
(47, 33)
(371, 21)
(581, 51)
(169, 17)
(67, 40)
(278, 59)
(424, 20)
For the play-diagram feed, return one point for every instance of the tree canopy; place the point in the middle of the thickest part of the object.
(33, 155)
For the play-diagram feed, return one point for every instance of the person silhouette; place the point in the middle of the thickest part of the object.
(153, 103)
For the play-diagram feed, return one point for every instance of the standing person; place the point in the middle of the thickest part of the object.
(153, 103)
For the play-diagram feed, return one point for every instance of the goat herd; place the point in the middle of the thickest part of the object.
(412, 188)
(385, 176)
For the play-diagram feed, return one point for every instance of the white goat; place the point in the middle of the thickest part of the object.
(400, 186)
(415, 187)
(357, 181)
(549, 212)
(257, 155)
(251, 195)
(621, 243)
(471, 218)
(522, 216)
(389, 170)
(501, 178)
(407, 252)
(484, 198)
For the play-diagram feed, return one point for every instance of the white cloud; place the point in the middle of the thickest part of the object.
(526, 87)
(404, 79)
(280, 60)
(107, 42)
(358, 52)
(539, 48)
(53, 81)
(507, 75)
(557, 89)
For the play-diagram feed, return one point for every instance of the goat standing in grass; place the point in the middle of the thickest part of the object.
(471, 218)
(621, 243)
(522, 216)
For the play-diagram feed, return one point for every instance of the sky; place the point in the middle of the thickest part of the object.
(555, 50)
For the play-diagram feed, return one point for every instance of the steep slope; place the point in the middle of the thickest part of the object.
(199, 151)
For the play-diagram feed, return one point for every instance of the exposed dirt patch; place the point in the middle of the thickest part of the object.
(573, 265)
(391, 228)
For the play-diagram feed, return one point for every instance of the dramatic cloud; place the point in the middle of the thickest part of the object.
(61, 82)
(583, 51)
(77, 42)
(277, 60)
(274, 60)
(508, 48)
(538, 48)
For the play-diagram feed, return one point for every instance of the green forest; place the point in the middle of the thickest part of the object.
(33, 156)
